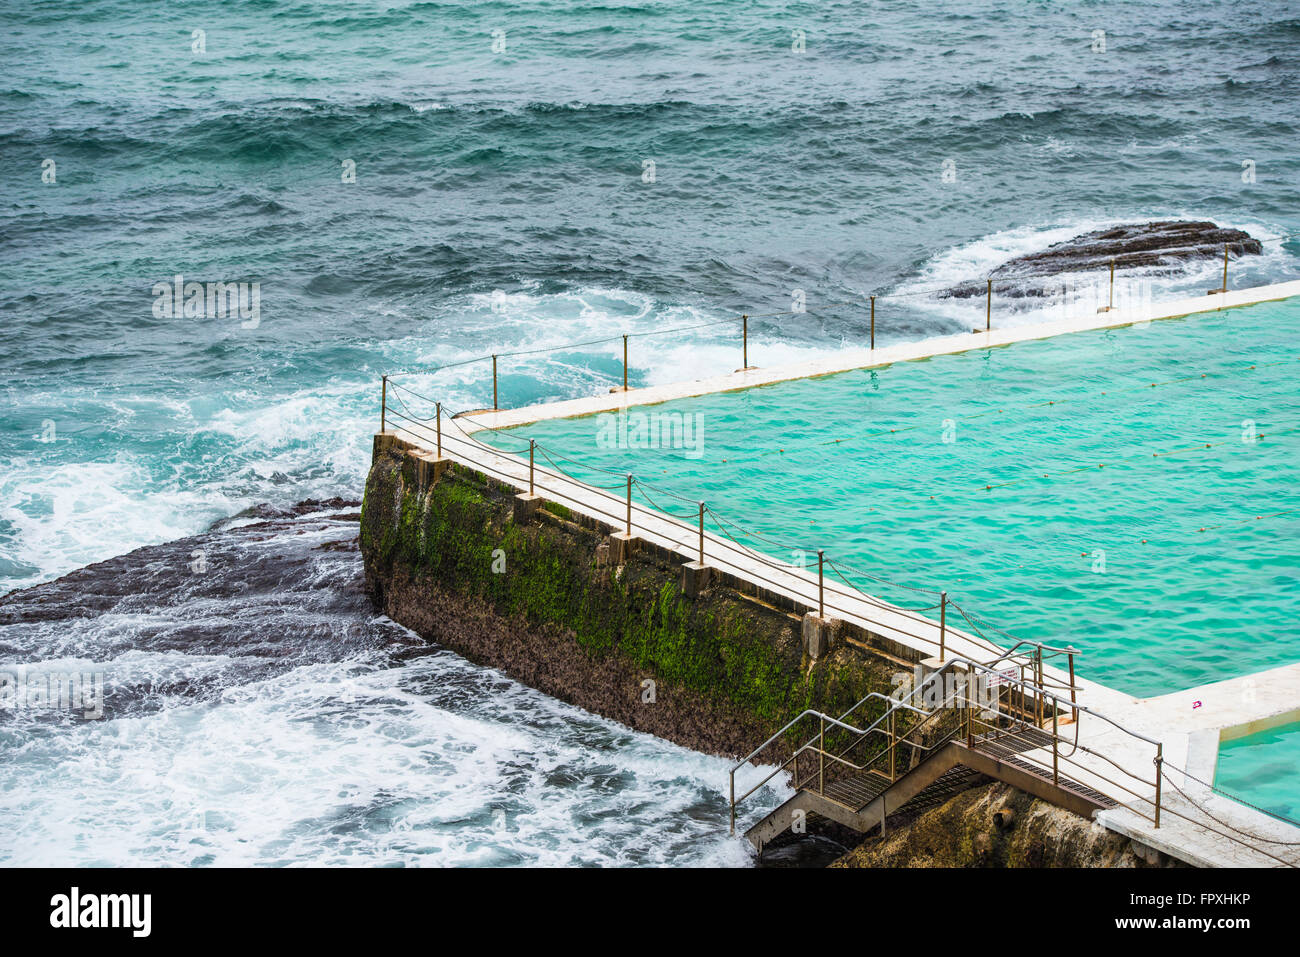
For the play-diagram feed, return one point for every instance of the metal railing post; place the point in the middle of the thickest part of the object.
(439, 430)
(383, 407)
(1056, 774)
(629, 504)
(1110, 301)
(893, 747)
(821, 584)
(943, 623)
(744, 341)
(1024, 708)
(625, 363)
(701, 533)
(873, 323)
(988, 308)
(1074, 712)
(1224, 287)
(821, 757)
(494, 384)
(1160, 772)
(733, 800)
(532, 444)
(1038, 682)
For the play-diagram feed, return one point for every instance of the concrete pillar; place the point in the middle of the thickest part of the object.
(429, 469)
(695, 578)
(388, 440)
(818, 634)
(621, 546)
(526, 507)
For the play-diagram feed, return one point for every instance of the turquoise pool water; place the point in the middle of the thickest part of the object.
(1133, 492)
(1262, 769)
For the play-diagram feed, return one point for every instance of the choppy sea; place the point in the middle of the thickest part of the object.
(414, 184)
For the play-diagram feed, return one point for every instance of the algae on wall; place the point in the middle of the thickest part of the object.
(720, 657)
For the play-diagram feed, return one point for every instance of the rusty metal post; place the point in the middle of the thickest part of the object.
(873, 323)
(1024, 708)
(893, 747)
(943, 623)
(821, 757)
(1074, 712)
(383, 407)
(1110, 301)
(625, 363)
(629, 504)
(701, 533)
(1225, 267)
(1160, 773)
(988, 308)
(439, 430)
(821, 584)
(532, 444)
(1038, 681)
(744, 341)
(1056, 774)
(494, 383)
(733, 800)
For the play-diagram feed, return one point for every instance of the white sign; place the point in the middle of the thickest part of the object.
(1003, 677)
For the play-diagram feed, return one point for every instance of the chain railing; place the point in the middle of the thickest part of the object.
(622, 512)
(866, 302)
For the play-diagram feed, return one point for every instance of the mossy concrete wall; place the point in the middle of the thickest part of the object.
(538, 598)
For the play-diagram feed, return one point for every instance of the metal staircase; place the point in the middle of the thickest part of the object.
(962, 724)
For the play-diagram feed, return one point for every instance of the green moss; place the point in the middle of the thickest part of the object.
(468, 541)
(555, 508)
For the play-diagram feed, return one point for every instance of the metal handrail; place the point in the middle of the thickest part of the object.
(1037, 689)
(837, 722)
(895, 705)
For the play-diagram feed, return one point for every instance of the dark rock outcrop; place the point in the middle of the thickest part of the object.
(1160, 246)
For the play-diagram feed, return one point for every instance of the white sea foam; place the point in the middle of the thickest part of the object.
(974, 260)
(351, 765)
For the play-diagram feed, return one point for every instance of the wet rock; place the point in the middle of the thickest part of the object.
(1159, 248)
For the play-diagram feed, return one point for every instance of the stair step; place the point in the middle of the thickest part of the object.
(950, 783)
(1065, 783)
(856, 791)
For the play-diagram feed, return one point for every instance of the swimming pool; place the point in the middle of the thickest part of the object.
(1133, 492)
(1262, 769)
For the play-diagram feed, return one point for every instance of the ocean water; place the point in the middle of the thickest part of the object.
(500, 203)
(255, 711)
